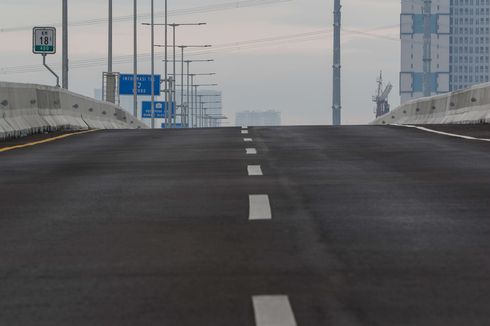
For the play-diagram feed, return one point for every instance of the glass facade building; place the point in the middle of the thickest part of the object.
(460, 45)
(469, 43)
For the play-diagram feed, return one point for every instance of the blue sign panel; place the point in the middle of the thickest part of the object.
(177, 125)
(160, 109)
(144, 84)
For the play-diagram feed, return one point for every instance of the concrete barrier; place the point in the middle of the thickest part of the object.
(28, 109)
(468, 106)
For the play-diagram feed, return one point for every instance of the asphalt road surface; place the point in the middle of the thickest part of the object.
(333, 226)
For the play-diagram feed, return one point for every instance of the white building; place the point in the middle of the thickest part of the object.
(460, 45)
(258, 118)
(412, 48)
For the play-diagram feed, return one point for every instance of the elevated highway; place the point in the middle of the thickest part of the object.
(368, 225)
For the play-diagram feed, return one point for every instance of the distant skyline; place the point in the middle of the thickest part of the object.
(291, 74)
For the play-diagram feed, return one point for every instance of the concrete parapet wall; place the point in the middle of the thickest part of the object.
(469, 106)
(28, 109)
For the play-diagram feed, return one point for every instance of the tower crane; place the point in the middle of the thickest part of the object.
(381, 97)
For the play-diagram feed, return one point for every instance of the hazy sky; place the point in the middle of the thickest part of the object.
(292, 75)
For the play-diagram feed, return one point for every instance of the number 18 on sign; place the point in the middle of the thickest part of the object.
(44, 40)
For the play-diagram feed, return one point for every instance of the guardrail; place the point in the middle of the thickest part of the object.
(27, 109)
(468, 106)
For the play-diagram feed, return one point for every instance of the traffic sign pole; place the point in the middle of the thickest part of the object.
(51, 70)
(44, 43)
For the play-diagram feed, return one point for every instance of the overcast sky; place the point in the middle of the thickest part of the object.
(292, 76)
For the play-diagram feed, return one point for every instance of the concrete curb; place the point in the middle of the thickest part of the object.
(469, 106)
(27, 109)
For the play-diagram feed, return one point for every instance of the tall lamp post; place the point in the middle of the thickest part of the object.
(190, 89)
(183, 47)
(109, 40)
(135, 58)
(152, 65)
(187, 94)
(64, 74)
(168, 116)
(197, 119)
(337, 95)
(194, 102)
(205, 114)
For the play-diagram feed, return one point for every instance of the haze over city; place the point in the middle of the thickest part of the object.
(296, 70)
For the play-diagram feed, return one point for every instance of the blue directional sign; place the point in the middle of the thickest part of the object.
(177, 125)
(160, 109)
(126, 84)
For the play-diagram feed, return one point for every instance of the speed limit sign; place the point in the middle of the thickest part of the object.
(44, 40)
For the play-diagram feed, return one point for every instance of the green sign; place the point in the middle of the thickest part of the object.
(44, 48)
(44, 40)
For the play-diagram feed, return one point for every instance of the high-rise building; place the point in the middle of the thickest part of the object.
(412, 27)
(469, 43)
(459, 32)
(258, 118)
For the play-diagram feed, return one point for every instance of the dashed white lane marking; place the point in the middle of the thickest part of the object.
(274, 310)
(260, 208)
(251, 151)
(442, 133)
(244, 127)
(254, 170)
(244, 132)
(248, 140)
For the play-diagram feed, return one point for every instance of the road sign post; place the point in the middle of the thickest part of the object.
(44, 43)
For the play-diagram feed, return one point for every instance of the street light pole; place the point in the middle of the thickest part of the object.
(191, 109)
(187, 93)
(65, 45)
(109, 38)
(182, 47)
(182, 67)
(135, 58)
(172, 92)
(152, 65)
(337, 95)
(168, 102)
(182, 110)
(174, 97)
(200, 111)
(196, 107)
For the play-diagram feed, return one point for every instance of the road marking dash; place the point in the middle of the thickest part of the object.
(251, 151)
(254, 170)
(273, 310)
(260, 208)
(44, 141)
(244, 132)
(248, 140)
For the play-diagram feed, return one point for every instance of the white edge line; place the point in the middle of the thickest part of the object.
(273, 310)
(441, 132)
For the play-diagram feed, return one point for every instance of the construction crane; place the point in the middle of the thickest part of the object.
(381, 97)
